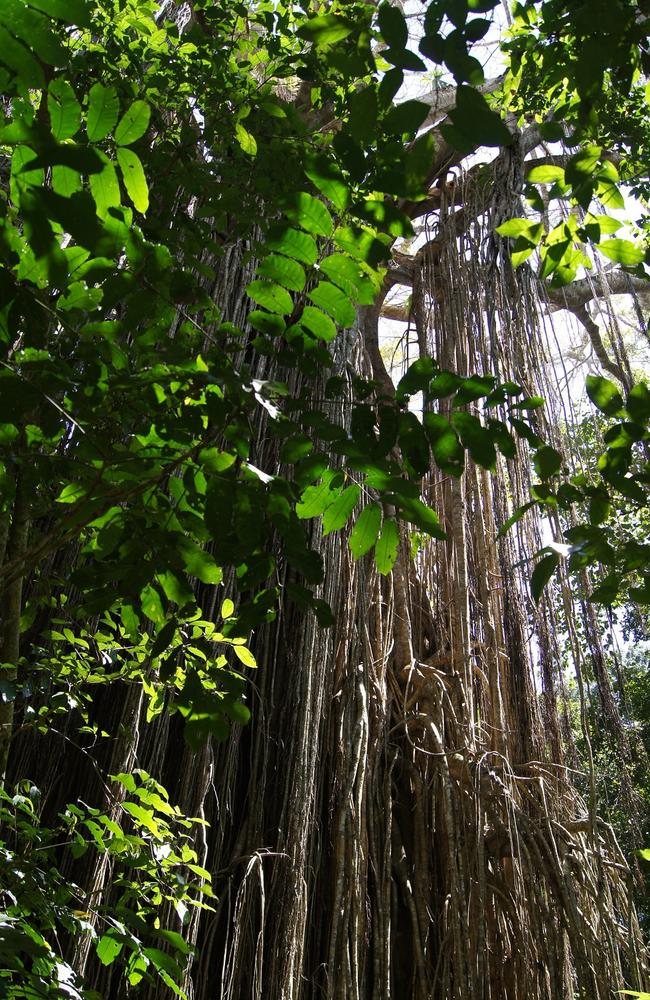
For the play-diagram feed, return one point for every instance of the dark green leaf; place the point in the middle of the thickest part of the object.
(542, 573)
(447, 450)
(547, 462)
(406, 117)
(392, 26)
(476, 438)
(475, 123)
(421, 516)
(326, 29)
(604, 395)
(68, 11)
(517, 516)
(638, 403)
(326, 176)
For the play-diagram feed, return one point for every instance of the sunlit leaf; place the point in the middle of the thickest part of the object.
(365, 531)
(133, 124)
(103, 109)
(134, 178)
(386, 547)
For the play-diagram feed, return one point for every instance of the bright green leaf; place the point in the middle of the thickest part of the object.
(103, 109)
(386, 547)
(339, 511)
(133, 124)
(273, 297)
(135, 181)
(365, 531)
(311, 214)
(335, 302)
(64, 110)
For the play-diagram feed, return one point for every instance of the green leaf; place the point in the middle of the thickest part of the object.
(318, 323)
(293, 243)
(413, 510)
(476, 438)
(547, 462)
(273, 297)
(316, 499)
(108, 948)
(347, 274)
(144, 817)
(335, 302)
(406, 117)
(152, 605)
(105, 188)
(19, 59)
(542, 573)
(474, 387)
(447, 450)
(327, 29)
(622, 252)
(78, 296)
(417, 166)
(599, 507)
(295, 449)
(68, 11)
(134, 179)
(245, 656)
(604, 395)
(103, 109)
(64, 110)
(515, 228)
(284, 271)
(387, 547)
(311, 214)
(34, 30)
(133, 124)
(475, 123)
(392, 26)
(164, 638)
(546, 174)
(326, 176)
(638, 403)
(247, 142)
(66, 181)
(339, 511)
(200, 563)
(365, 531)
(607, 590)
